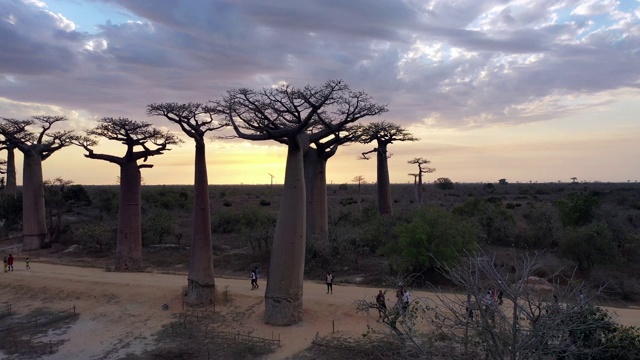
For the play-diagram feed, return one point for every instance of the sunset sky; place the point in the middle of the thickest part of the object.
(527, 90)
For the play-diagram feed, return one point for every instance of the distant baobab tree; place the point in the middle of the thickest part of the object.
(574, 180)
(383, 133)
(196, 120)
(133, 134)
(415, 186)
(295, 117)
(359, 179)
(36, 147)
(422, 169)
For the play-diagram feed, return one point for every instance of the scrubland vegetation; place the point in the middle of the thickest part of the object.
(590, 227)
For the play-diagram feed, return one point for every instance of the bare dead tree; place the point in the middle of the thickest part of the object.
(36, 146)
(422, 169)
(383, 133)
(296, 117)
(524, 317)
(133, 135)
(536, 320)
(196, 120)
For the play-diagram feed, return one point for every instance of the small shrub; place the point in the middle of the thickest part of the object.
(226, 203)
(264, 202)
(348, 201)
(444, 183)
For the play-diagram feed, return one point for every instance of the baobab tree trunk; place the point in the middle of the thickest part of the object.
(316, 188)
(201, 283)
(34, 223)
(283, 297)
(129, 241)
(383, 186)
(10, 188)
(419, 190)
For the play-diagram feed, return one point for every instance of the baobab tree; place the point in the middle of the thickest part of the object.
(153, 142)
(422, 169)
(35, 147)
(315, 172)
(383, 133)
(295, 117)
(196, 120)
(9, 169)
(360, 180)
(415, 185)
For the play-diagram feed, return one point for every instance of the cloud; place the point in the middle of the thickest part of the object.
(450, 64)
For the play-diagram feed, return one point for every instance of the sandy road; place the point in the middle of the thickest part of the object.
(120, 312)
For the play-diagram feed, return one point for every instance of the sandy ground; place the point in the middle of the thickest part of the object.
(120, 312)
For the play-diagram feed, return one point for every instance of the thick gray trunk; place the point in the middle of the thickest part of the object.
(129, 240)
(316, 184)
(419, 190)
(10, 188)
(201, 283)
(385, 206)
(283, 297)
(34, 223)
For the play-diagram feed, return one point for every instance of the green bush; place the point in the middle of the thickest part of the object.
(432, 234)
(495, 225)
(157, 227)
(544, 228)
(97, 236)
(588, 245)
(577, 209)
(601, 338)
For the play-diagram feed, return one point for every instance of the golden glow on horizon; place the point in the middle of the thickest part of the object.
(582, 144)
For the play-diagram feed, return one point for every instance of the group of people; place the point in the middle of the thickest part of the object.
(403, 300)
(493, 297)
(8, 263)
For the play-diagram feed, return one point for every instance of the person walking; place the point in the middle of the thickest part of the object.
(254, 279)
(28, 262)
(382, 304)
(10, 262)
(329, 283)
(4, 264)
(405, 301)
(399, 298)
(257, 272)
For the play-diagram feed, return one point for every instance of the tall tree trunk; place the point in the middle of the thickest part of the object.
(34, 223)
(10, 188)
(201, 283)
(359, 198)
(129, 241)
(315, 177)
(385, 206)
(419, 190)
(283, 297)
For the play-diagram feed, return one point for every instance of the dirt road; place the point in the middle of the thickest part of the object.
(120, 312)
